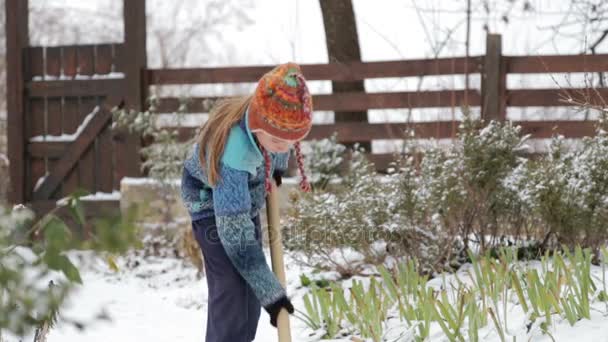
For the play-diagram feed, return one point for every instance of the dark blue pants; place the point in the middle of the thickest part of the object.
(233, 309)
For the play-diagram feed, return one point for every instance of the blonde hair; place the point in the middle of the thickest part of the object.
(214, 133)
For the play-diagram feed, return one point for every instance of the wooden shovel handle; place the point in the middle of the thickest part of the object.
(276, 256)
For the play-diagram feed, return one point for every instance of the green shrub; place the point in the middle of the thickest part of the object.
(325, 161)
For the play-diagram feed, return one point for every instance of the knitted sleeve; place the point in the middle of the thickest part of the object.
(232, 205)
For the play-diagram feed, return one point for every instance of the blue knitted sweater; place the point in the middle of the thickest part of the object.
(234, 201)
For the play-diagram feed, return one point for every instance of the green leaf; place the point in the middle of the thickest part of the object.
(60, 262)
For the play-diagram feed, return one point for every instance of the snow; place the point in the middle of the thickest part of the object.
(102, 196)
(62, 77)
(40, 181)
(98, 196)
(156, 299)
(67, 137)
(159, 300)
(139, 181)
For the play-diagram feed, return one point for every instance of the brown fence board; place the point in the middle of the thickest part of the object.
(70, 61)
(35, 57)
(53, 61)
(86, 59)
(352, 71)
(54, 122)
(425, 99)
(54, 116)
(86, 166)
(556, 63)
(94, 87)
(358, 131)
(361, 131)
(104, 161)
(36, 126)
(36, 117)
(71, 120)
(570, 129)
(103, 59)
(49, 149)
(556, 97)
(119, 56)
(353, 101)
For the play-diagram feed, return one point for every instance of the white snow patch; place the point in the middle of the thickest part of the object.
(67, 137)
(40, 181)
(102, 196)
(148, 181)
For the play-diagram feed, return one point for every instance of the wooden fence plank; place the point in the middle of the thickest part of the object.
(352, 71)
(36, 118)
(119, 56)
(103, 59)
(570, 129)
(135, 91)
(49, 149)
(36, 61)
(86, 59)
(104, 161)
(350, 132)
(556, 97)
(36, 127)
(70, 61)
(93, 87)
(357, 131)
(100, 120)
(53, 61)
(16, 24)
(493, 81)
(71, 120)
(556, 63)
(54, 116)
(351, 101)
(86, 165)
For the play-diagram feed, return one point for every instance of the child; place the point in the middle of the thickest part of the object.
(224, 184)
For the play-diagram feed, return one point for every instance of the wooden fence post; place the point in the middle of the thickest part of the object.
(494, 81)
(17, 39)
(135, 62)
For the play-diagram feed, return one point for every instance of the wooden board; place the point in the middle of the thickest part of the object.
(356, 101)
(70, 60)
(71, 121)
(348, 71)
(103, 59)
(104, 160)
(36, 61)
(36, 127)
(86, 165)
(53, 61)
(86, 59)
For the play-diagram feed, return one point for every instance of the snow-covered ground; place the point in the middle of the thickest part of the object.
(161, 299)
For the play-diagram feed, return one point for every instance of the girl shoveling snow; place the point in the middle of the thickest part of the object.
(224, 185)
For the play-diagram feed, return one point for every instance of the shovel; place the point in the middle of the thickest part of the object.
(276, 256)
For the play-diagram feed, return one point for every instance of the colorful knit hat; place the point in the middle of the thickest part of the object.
(282, 107)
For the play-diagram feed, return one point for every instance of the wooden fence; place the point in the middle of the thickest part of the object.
(494, 97)
(59, 120)
(59, 100)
